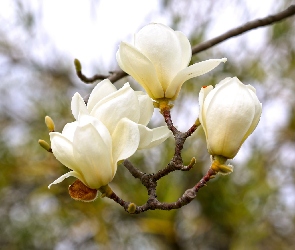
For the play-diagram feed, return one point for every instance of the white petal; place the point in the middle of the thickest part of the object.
(146, 136)
(159, 135)
(78, 105)
(133, 62)
(258, 111)
(194, 70)
(122, 103)
(146, 108)
(69, 130)
(202, 96)
(99, 126)
(69, 174)
(93, 156)
(101, 90)
(63, 151)
(186, 49)
(163, 47)
(126, 139)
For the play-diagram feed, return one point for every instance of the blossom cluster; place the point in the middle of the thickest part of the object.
(112, 126)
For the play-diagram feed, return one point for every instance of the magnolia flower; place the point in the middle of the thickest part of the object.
(229, 113)
(110, 105)
(110, 128)
(158, 60)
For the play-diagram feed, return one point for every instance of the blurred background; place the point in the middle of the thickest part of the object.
(253, 208)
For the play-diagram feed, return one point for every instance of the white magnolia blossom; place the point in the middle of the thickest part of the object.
(229, 113)
(110, 128)
(159, 60)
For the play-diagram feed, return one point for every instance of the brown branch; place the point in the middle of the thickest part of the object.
(136, 173)
(118, 200)
(117, 75)
(153, 203)
(290, 11)
(113, 76)
(92, 79)
(150, 180)
(167, 117)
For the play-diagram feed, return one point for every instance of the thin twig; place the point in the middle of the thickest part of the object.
(153, 202)
(290, 11)
(136, 173)
(92, 79)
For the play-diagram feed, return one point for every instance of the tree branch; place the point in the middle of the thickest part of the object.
(290, 11)
(150, 180)
(153, 203)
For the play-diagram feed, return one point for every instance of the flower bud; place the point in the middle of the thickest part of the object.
(49, 123)
(78, 65)
(131, 208)
(229, 113)
(45, 145)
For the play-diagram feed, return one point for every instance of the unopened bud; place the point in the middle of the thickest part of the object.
(45, 145)
(49, 123)
(78, 65)
(131, 208)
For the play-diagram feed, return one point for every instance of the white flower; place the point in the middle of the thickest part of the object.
(109, 129)
(158, 60)
(110, 105)
(229, 113)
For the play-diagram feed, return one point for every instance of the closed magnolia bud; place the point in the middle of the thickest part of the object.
(49, 123)
(229, 113)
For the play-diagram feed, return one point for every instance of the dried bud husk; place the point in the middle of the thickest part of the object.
(80, 192)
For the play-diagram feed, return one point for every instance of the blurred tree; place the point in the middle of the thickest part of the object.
(253, 208)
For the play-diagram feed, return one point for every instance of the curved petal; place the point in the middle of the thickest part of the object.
(146, 108)
(146, 136)
(258, 111)
(99, 126)
(126, 139)
(133, 62)
(194, 70)
(63, 151)
(122, 103)
(202, 96)
(101, 90)
(162, 46)
(69, 174)
(159, 135)
(186, 50)
(78, 105)
(93, 156)
(69, 130)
